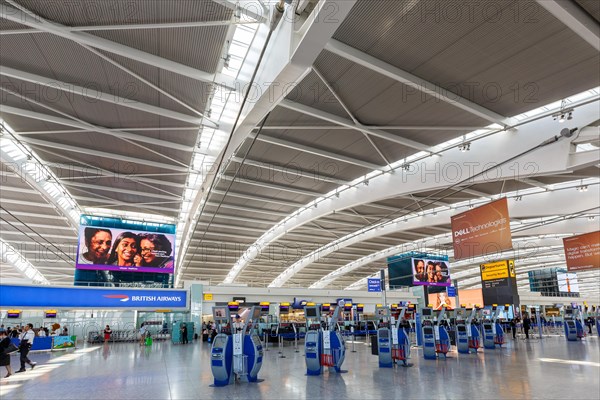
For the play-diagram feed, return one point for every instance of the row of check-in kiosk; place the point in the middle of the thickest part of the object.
(237, 351)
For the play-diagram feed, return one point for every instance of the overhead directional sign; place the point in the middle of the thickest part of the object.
(374, 285)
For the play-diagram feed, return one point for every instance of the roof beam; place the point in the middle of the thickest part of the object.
(106, 97)
(290, 169)
(96, 153)
(116, 133)
(313, 112)
(37, 22)
(534, 183)
(166, 25)
(575, 19)
(408, 79)
(119, 190)
(390, 127)
(273, 186)
(319, 152)
(263, 199)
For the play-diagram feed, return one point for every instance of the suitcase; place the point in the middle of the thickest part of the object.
(149, 341)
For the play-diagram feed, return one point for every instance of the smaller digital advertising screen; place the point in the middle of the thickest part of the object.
(441, 300)
(567, 282)
(311, 312)
(219, 312)
(430, 272)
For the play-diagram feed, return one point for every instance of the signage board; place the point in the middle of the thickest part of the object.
(208, 297)
(374, 285)
(582, 252)
(482, 230)
(79, 297)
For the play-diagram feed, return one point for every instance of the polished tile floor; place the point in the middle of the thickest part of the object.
(548, 369)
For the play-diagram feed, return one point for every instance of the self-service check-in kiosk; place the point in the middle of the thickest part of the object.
(462, 335)
(473, 331)
(400, 340)
(427, 326)
(384, 337)
(323, 347)
(442, 338)
(598, 320)
(237, 350)
(569, 324)
(498, 329)
(221, 359)
(488, 329)
(252, 351)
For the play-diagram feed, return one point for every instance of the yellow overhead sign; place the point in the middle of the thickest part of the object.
(208, 296)
(495, 270)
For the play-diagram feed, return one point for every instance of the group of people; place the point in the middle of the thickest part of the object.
(128, 249)
(435, 272)
(26, 336)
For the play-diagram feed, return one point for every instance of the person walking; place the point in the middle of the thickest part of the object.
(107, 333)
(513, 327)
(26, 342)
(143, 332)
(526, 326)
(4, 356)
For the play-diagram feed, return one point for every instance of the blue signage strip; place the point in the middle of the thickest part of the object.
(374, 285)
(78, 297)
(452, 291)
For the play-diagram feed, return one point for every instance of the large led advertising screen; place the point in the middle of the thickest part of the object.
(430, 272)
(582, 252)
(119, 252)
(482, 230)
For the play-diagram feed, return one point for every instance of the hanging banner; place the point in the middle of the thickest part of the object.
(582, 252)
(481, 231)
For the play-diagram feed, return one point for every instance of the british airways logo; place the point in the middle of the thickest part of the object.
(123, 297)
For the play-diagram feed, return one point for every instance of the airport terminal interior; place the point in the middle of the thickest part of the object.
(300, 199)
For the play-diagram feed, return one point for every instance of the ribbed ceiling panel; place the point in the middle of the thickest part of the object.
(109, 12)
(203, 44)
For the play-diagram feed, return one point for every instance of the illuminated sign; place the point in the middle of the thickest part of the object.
(79, 297)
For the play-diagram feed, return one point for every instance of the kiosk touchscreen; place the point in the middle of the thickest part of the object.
(570, 324)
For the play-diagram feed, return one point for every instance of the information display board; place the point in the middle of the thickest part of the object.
(582, 252)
